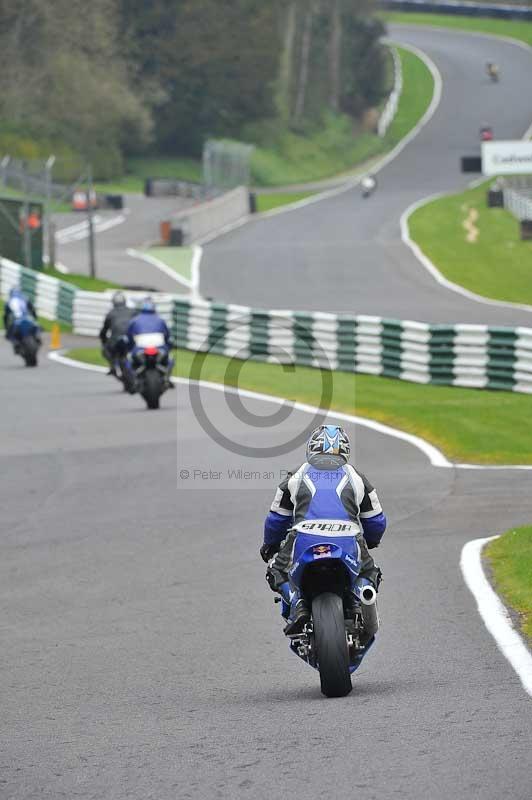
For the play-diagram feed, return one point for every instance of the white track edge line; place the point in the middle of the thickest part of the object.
(493, 612)
(435, 456)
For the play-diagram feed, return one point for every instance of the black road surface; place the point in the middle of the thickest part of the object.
(345, 254)
(142, 657)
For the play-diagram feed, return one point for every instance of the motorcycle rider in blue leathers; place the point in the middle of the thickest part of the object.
(325, 487)
(16, 308)
(145, 323)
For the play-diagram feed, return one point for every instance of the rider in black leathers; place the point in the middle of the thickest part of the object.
(115, 326)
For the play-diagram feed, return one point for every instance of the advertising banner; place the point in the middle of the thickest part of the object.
(507, 158)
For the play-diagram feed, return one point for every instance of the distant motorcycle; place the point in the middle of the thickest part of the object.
(326, 569)
(492, 71)
(148, 368)
(486, 133)
(368, 185)
(25, 335)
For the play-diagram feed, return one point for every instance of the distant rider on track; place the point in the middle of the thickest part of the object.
(17, 307)
(325, 487)
(146, 325)
(115, 327)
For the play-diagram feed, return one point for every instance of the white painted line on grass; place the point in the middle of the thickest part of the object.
(155, 262)
(435, 456)
(494, 614)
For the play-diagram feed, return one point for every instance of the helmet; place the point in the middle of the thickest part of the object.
(119, 299)
(330, 440)
(15, 292)
(147, 305)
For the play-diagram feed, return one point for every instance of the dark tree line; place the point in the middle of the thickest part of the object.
(109, 77)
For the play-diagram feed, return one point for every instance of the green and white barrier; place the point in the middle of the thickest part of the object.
(60, 301)
(475, 356)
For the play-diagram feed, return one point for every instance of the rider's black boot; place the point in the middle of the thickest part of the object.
(301, 617)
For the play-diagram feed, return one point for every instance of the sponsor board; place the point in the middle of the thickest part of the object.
(506, 158)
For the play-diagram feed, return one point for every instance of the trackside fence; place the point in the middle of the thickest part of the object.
(474, 356)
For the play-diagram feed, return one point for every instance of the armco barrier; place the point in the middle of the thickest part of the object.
(475, 356)
(464, 9)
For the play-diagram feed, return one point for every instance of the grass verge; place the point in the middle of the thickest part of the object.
(285, 157)
(177, 258)
(495, 264)
(494, 27)
(468, 425)
(265, 202)
(84, 282)
(510, 561)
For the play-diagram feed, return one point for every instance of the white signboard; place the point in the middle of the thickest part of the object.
(506, 158)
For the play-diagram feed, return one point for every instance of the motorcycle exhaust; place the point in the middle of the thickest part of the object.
(370, 615)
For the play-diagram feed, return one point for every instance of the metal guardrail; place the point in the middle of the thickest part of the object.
(467, 9)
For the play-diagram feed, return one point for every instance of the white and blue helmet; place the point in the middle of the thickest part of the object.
(329, 440)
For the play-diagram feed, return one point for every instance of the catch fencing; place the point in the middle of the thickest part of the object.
(517, 195)
(473, 356)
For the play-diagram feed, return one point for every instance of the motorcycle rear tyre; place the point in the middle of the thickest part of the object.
(153, 388)
(28, 351)
(331, 645)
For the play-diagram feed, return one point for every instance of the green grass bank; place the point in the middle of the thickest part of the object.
(487, 256)
(510, 562)
(456, 420)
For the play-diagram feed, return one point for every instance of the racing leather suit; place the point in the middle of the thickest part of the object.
(323, 488)
(14, 309)
(115, 325)
(144, 323)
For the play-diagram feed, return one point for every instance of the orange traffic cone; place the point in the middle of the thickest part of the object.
(55, 337)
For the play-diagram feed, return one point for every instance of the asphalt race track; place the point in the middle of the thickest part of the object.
(345, 254)
(141, 654)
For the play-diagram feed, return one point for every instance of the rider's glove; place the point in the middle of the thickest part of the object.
(267, 551)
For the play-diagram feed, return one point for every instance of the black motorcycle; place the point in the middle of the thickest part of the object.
(148, 373)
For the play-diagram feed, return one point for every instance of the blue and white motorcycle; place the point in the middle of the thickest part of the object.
(25, 336)
(325, 572)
